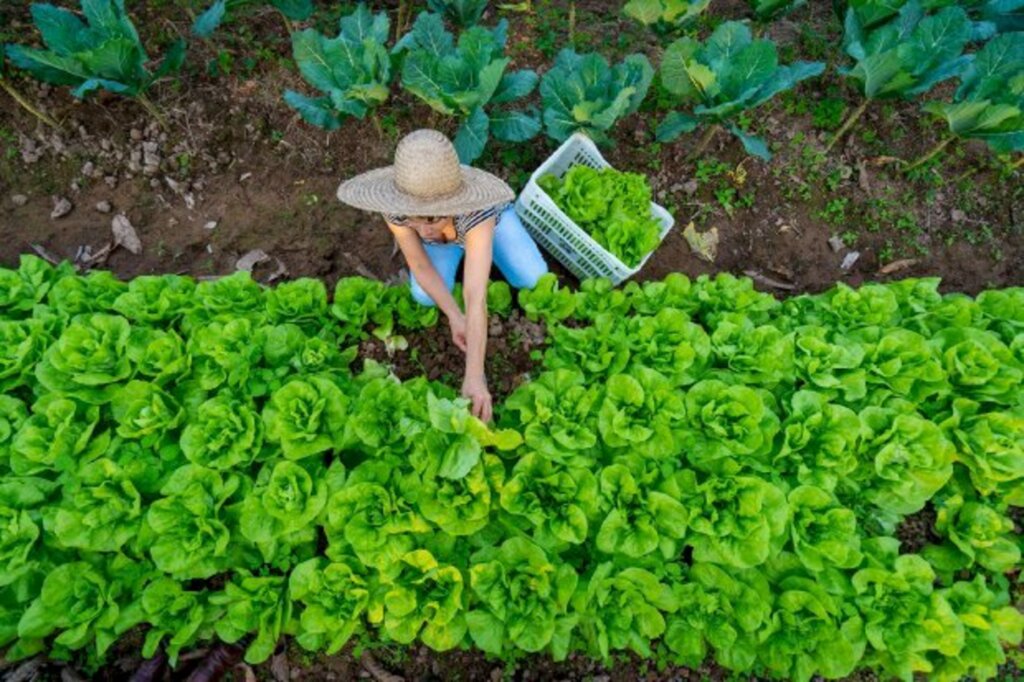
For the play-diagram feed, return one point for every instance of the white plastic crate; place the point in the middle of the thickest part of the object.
(562, 237)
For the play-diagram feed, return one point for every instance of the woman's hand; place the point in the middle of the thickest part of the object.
(475, 388)
(458, 325)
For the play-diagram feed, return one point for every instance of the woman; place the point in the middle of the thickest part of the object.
(439, 211)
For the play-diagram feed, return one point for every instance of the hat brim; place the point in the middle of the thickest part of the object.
(376, 191)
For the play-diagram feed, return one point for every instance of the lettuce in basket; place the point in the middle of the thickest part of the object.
(611, 206)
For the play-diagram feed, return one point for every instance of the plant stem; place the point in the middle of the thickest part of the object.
(853, 118)
(288, 25)
(1018, 164)
(45, 118)
(930, 155)
(572, 21)
(375, 117)
(151, 109)
(705, 140)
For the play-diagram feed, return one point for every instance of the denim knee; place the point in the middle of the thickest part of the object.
(516, 253)
(419, 294)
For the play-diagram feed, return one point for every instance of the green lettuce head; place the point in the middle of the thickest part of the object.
(425, 599)
(224, 432)
(302, 302)
(910, 459)
(158, 355)
(378, 525)
(254, 605)
(599, 351)
(225, 352)
(737, 521)
(279, 513)
(991, 446)
(1003, 309)
(638, 519)
(236, 295)
(977, 533)
(730, 427)
(823, 532)
(557, 501)
(188, 530)
(905, 619)
(144, 411)
(22, 343)
(523, 598)
(820, 441)
(88, 359)
(307, 417)
(752, 355)
(720, 609)
(830, 363)
(20, 500)
(979, 366)
(872, 305)
(153, 299)
(992, 625)
(599, 295)
(87, 603)
(642, 413)
(809, 632)
(21, 289)
(334, 597)
(93, 292)
(12, 416)
(902, 361)
(649, 298)
(670, 344)
(52, 439)
(178, 618)
(558, 412)
(622, 609)
(726, 294)
(101, 510)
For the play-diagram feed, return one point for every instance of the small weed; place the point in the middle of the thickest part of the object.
(827, 113)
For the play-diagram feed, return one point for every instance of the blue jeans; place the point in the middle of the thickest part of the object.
(515, 254)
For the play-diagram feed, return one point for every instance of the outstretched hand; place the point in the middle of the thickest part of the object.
(475, 389)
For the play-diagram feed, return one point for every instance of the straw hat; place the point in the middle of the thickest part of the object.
(425, 180)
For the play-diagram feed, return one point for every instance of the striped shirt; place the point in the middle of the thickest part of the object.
(463, 223)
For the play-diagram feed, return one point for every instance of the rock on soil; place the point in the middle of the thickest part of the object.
(61, 207)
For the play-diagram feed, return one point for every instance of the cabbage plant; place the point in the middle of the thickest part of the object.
(582, 93)
(989, 104)
(352, 70)
(905, 57)
(468, 79)
(719, 79)
(665, 15)
(103, 52)
(464, 13)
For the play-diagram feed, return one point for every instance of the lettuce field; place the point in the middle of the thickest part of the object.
(696, 470)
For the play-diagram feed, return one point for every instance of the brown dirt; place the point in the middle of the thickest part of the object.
(432, 354)
(917, 531)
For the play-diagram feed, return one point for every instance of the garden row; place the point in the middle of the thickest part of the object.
(894, 49)
(698, 470)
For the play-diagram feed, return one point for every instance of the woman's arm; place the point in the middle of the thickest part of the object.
(479, 252)
(419, 264)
